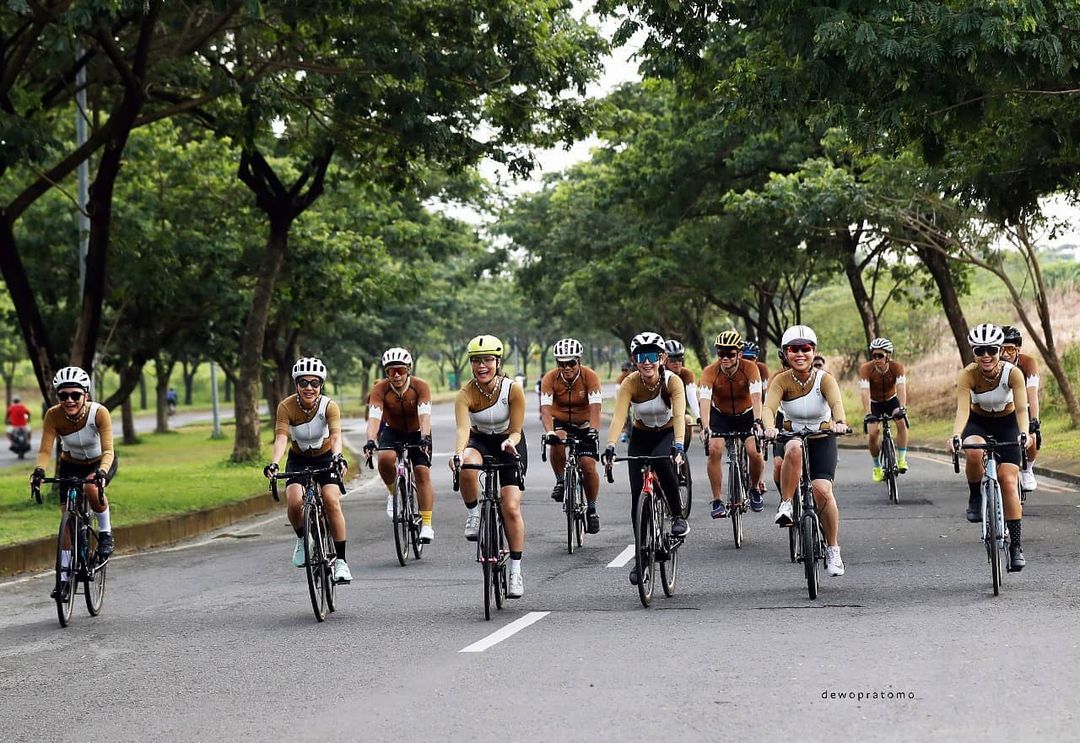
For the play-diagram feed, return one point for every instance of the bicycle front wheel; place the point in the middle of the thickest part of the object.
(65, 597)
(487, 551)
(579, 510)
(892, 472)
(645, 548)
(735, 498)
(809, 558)
(314, 562)
(686, 491)
(401, 521)
(992, 537)
(570, 505)
(94, 585)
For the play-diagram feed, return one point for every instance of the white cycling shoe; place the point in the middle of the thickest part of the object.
(427, 534)
(342, 574)
(472, 526)
(1028, 481)
(298, 553)
(389, 506)
(783, 514)
(834, 564)
(515, 586)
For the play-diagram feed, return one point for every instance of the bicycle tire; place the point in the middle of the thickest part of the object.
(501, 556)
(314, 565)
(401, 525)
(328, 550)
(570, 507)
(686, 492)
(669, 566)
(736, 501)
(793, 531)
(415, 522)
(891, 470)
(65, 605)
(579, 520)
(94, 584)
(485, 551)
(809, 556)
(644, 548)
(992, 537)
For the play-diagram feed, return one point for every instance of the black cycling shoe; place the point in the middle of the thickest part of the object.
(974, 509)
(592, 522)
(679, 527)
(105, 545)
(1016, 558)
(634, 576)
(60, 591)
(557, 492)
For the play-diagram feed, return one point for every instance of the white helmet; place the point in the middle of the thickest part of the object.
(881, 344)
(986, 334)
(396, 357)
(309, 366)
(71, 376)
(566, 349)
(797, 333)
(674, 348)
(647, 341)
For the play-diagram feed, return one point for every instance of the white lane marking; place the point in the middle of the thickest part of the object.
(624, 557)
(366, 485)
(508, 631)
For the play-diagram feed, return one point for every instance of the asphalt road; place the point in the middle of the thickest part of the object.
(215, 639)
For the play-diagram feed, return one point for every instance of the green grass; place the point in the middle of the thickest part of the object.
(166, 474)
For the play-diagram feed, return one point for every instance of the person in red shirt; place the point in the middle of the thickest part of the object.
(18, 418)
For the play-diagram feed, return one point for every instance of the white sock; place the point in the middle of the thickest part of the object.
(65, 561)
(515, 565)
(1029, 467)
(103, 523)
(475, 510)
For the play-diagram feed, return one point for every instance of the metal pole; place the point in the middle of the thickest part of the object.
(214, 401)
(83, 169)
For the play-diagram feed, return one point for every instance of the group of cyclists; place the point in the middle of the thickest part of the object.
(997, 396)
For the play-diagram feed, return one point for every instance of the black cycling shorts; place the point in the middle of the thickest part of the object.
(885, 407)
(392, 437)
(588, 446)
(490, 445)
(297, 462)
(823, 453)
(725, 424)
(1000, 429)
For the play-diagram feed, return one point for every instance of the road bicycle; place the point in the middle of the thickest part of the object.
(78, 535)
(653, 541)
(738, 478)
(994, 534)
(890, 469)
(574, 501)
(806, 541)
(407, 519)
(319, 550)
(491, 548)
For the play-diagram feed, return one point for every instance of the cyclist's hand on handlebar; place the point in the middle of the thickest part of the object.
(37, 476)
(608, 457)
(770, 433)
(426, 445)
(677, 453)
(369, 448)
(341, 464)
(552, 438)
(270, 470)
(900, 412)
(455, 462)
(953, 445)
(841, 428)
(1022, 439)
(508, 447)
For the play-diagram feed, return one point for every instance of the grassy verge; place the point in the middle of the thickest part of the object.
(165, 475)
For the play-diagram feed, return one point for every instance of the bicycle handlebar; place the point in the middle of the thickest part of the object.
(871, 418)
(489, 464)
(397, 449)
(35, 489)
(990, 445)
(308, 473)
(634, 458)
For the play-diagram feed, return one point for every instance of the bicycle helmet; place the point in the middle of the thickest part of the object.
(396, 357)
(309, 366)
(485, 345)
(647, 341)
(674, 348)
(566, 349)
(1012, 335)
(750, 350)
(986, 334)
(881, 344)
(729, 339)
(71, 376)
(797, 334)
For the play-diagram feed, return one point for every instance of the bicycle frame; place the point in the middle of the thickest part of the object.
(574, 499)
(492, 551)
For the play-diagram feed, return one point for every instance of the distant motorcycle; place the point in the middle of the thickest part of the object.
(20, 442)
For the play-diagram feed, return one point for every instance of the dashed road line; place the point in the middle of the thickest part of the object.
(624, 557)
(508, 631)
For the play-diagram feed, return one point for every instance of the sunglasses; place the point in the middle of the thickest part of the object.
(305, 383)
(677, 359)
(804, 348)
(819, 365)
(73, 396)
(727, 354)
(485, 360)
(567, 364)
(397, 371)
(877, 355)
(986, 350)
(649, 357)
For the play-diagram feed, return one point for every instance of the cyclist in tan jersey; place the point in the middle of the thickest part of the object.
(992, 402)
(731, 390)
(570, 399)
(84, 429)
(1010, 351)
(399, 412)
(883, 388)
(810, 399)
(490, 414)
(313, 422)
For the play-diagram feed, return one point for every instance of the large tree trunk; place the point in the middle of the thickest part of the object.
(128, 422)
(188, 370)
(848, 245)
(163, 371)
(938, 266)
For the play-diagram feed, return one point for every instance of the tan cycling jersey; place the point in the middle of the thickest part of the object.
(882, 384)
(784, 387)
(400, 411)
(83, 433)
(649, 405)
(972, 384)
(571, 403)
(731, 393)
(505, 405)
(292, 418)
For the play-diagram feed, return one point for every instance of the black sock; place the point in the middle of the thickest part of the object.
(339, 548)
(1014, 532)
(472, 505)
(515, 555)
(590, 507)
(299, 533)
(974, 492)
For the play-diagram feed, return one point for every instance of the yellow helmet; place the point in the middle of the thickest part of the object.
(729, 339)
(485, 345)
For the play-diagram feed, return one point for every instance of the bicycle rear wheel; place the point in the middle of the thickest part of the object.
(314, 563)
(645, 548)
(809, 556)
(401, 521)
(65, 600)
(94, 585)
(570, 505)
(329, 554)
(735, 498)
(992, 536)
(501, 556)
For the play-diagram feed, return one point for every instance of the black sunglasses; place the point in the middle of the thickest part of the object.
(727, 354)
(73, 396)
(302, 383)
(567, 364)
(986, 350)
(877, 355)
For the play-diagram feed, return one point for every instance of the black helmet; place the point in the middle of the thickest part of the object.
(1013, 335)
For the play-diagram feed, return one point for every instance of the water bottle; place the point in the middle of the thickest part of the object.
(84, 539)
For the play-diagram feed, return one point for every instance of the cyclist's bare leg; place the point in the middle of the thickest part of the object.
(715, 467)
(557, 455)
(757, 462)
(294, 497)
(791, 472)
(425, 493)
(512, 520)
(592, 478)
(828, 513)
(470, 479)
(973, 466)
(388, 468)
(331, 495)
(901, 433)
(874, 441)
(1008, 477)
